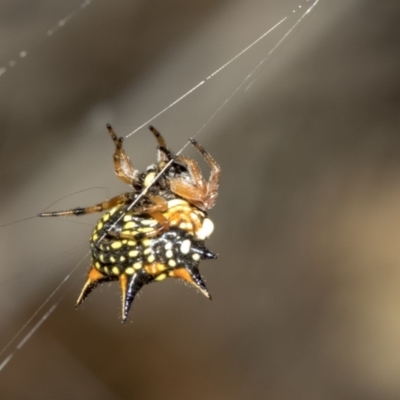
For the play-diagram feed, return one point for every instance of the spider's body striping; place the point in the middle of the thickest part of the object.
(149, 237)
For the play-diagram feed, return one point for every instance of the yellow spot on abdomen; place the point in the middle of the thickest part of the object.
(133, 253)
(113, 210)
(129, 271)
(150, 222)
(172, 263)
(145, 229)
(129, 225)
(137, 265)
(161, 277)
(116, 245)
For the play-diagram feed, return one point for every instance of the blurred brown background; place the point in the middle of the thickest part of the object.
(306, 288)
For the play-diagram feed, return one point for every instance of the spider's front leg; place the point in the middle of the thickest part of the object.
(122, 163)
(164, 154)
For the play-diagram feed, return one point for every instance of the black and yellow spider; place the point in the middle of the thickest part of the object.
(155, 231)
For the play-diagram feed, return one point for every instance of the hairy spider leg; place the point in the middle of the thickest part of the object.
(125, 171)
(122, 164)
(99, 207)
(203, 194)
(215, 175)
(164, 154)
(197, 191)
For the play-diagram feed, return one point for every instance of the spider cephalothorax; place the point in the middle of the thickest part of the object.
(158, 229)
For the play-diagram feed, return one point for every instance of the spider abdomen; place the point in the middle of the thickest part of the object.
(173, 249)
(129, 248)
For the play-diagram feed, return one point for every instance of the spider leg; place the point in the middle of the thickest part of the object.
(215, 175)
(196, 190)
(160, 139)
(104, 205)
(122, 163)
(164, 154)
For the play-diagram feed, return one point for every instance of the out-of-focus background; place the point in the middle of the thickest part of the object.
(307, 285)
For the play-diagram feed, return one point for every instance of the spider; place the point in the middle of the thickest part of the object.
(155, 231)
